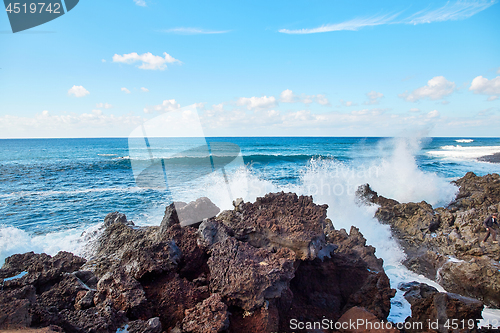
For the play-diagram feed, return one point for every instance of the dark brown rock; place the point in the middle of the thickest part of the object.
(265, 319)
(193, 261)
(188, 213)
(152, 325)
(116, 217)
(428, 305)
(281, 220)
(123, 293)
(246, 276)
(84, 299)
(170, 295)
(444, 243)
(152, 259)
(15, 307)
(94, 320)
(42, 270)
(371, 324)
(478, 278)
(209, 316)
(475, 192)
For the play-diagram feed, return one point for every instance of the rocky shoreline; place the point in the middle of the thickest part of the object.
(259, 268)
(493, 158)
(444, 244)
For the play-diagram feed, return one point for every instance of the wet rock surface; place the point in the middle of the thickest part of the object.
(447, 312)
(444, 244)
(251, 269)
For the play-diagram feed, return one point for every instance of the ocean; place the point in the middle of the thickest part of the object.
(54, 191)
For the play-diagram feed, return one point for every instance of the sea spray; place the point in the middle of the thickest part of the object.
(397, 176)
(14, 240)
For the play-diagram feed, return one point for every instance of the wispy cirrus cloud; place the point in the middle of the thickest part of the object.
(352, 25)
(451, 11)
(193, 31)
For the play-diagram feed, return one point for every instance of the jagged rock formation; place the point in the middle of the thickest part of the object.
(251, 269)
(440, 312)
(444, 243)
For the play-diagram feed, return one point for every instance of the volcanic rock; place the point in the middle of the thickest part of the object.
(371, 324)
(123, 293)
(444, 243)
(251, 269)
(246, 276)
(428, 305)
(209, 316)
(281, 220)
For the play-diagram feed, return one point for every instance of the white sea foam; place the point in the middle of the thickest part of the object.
(459, 152)
(395, 176)
(14, 240)
(464, 140)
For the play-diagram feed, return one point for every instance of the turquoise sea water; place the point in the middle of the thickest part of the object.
(54, 190)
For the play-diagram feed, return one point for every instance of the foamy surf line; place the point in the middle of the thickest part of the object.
(467, 153)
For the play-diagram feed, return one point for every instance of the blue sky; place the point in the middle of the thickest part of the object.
(256, 68)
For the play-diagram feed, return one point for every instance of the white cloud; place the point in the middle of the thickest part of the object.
(414, 110)
(370, 121)
(91, 124)
(200, 106)
(347, 103)
(144, 89)
(288, 96)
(141, 3)
(125, 90)
(194, 31)
(103, 105)
(498, 71)
(433, 114)
(436, 88)
(451, 11)
(78, 91)
(322, 100)
(373, 97)
(166, 106)
(103, 60)
(148, 60)
(352, 25)
(481, 85)
(258, 102)
(457, 10)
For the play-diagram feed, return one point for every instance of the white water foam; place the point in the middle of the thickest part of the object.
(459, 152)
(395, 176)
(14, 240)
(464, 140)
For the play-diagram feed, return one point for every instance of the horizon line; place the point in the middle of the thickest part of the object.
(264, 136)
